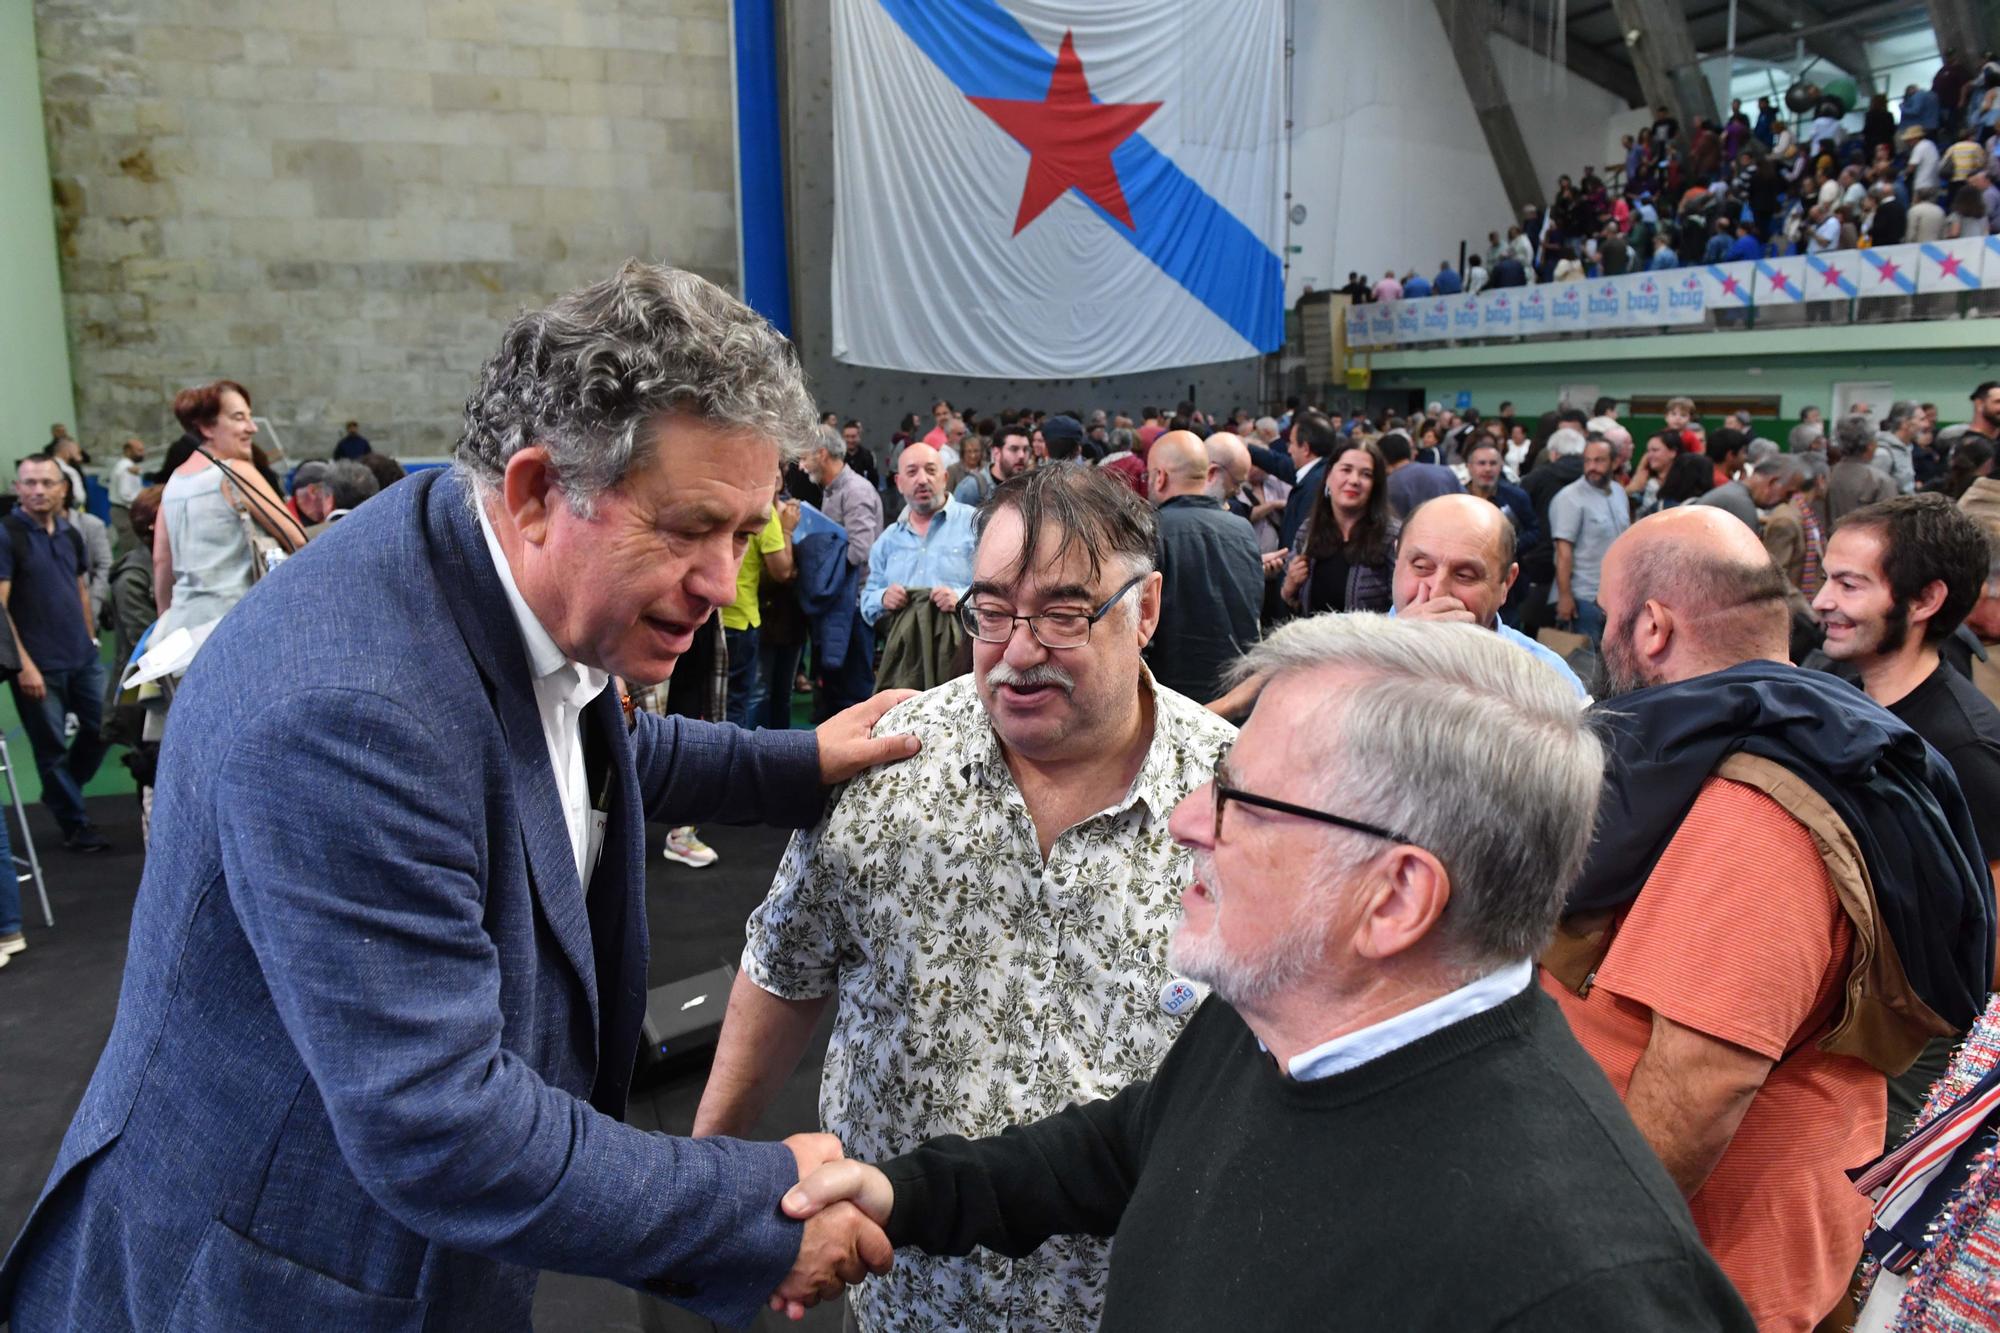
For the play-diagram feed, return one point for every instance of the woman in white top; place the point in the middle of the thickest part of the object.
(201, 554)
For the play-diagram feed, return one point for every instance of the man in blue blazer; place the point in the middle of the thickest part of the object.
(388, 961)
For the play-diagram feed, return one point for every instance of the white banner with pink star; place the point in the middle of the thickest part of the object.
(1636, 302)
(1049, 189)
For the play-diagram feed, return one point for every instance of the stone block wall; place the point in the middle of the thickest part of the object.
(341, 202)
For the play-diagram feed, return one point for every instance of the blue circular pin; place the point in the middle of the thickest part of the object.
(1177, 996)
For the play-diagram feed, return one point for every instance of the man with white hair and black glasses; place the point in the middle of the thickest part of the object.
(1377, 1120)
(993, 916)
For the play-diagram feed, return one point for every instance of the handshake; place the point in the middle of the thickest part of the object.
(844, 1205)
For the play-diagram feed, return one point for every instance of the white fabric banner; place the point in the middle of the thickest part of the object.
(1566, 301)
(1727, 286)
(1686, 294)
(1833, 276)
(1781, 281)
(1604, 303)
(1890, 270)
(1531, 310)
(1953, 266)
(1053, 189)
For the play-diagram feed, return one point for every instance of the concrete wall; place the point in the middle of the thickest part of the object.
(879, 397)
(340, 204)
(1387, 153)
(34, 355)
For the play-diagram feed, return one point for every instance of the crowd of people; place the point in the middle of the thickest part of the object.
(1753, 187)
(1231, 849)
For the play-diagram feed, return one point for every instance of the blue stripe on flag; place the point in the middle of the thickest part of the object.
(1784, 283)
(1742, 292)
(1178, 225)
(1901, 279)
(1841, 281)
(1938, 257)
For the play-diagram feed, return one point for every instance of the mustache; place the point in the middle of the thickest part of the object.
(1042, 673)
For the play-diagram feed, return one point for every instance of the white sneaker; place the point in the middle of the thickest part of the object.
(11, 944)
(683, 846)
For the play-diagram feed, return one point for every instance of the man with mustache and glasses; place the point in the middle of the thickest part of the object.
(995, 922)
(1378, 1120)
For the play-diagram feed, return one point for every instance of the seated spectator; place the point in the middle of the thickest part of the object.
(1716, 954)
(1374, 1034)
(1346, 548)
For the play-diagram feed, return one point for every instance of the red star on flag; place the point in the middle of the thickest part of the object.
(1948, 266)
(1069, 139)
(1887, 268)
(1779, 281)
(1832, 275)
(1729, 287)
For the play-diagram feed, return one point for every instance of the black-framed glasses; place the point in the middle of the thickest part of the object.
(1224, 794)
(1052, 629)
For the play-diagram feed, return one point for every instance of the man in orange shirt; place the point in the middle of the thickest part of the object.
(1711, 974)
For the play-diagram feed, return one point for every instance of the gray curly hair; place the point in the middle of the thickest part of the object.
(584, 376)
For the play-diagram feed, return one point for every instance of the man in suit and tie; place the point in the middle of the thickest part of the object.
(380, 1084)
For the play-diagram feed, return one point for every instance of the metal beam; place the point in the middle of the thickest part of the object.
(1584, 61)
(1834, 42)
(1965, 26)
(1465, 26)
(1663, 53)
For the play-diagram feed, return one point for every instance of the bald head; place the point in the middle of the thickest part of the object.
(1176, 465)
(920, 477)
(1455, 560)
(1688, 591)
(1229, 454)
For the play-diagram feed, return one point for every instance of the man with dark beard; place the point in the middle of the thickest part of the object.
(1900, 577)
(1721, 956)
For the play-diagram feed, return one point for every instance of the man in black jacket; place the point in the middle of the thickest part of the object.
(1561, 464)
(1212, 575)
(1377, 1121)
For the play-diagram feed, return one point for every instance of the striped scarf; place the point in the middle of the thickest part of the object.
(1810, 573)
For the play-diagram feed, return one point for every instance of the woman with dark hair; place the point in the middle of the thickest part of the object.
(1970, 460)
(1689, 477)
(1346, 548)
(202, 561)
(1968, 214)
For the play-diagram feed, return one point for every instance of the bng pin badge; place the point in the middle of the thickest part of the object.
(1177, 997)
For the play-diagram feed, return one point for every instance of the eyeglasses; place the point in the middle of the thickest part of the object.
(1224, 793)
(1052, 629)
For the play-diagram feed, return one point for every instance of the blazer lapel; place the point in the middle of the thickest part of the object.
(487, 623)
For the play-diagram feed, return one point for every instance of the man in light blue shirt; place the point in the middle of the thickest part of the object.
(928, 546)
(1455, 562)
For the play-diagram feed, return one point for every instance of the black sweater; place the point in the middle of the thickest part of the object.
(1483, 1177)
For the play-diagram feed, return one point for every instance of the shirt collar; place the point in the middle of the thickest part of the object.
(903, 519)
(1164, 776)
(1355, 1049)
(580, 683)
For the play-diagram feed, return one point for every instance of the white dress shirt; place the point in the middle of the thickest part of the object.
(1358, 1048)
(563, 689)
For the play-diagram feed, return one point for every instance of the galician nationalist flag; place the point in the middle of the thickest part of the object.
(1056, 189)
